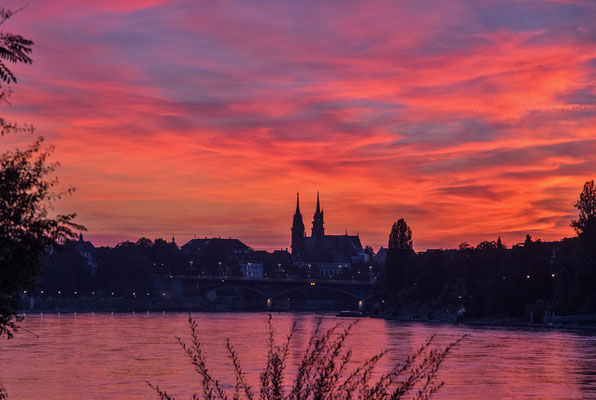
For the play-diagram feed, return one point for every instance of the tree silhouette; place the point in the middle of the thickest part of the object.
(26, 193)
(13, 49)
(586, 205)
(399, 253)
(400, 236)
(26, 230)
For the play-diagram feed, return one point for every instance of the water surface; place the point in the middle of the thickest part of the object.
(104, 356)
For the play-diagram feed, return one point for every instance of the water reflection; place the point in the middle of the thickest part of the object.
(111, 355)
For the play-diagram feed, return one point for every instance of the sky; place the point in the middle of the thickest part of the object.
(469, 119)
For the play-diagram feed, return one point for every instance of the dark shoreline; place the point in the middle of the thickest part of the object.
(516, 323)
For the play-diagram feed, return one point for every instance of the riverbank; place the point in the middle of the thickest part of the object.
(222, 304)
(121, 305)
(568, 322)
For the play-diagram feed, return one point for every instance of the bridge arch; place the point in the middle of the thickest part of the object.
(204, 289)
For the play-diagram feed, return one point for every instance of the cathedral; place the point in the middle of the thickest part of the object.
(329, 253)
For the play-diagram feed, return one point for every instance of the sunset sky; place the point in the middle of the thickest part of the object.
(470, 119)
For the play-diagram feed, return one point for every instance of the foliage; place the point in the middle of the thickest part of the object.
(323, 372)
(400, 236)
(26, 229)
(586, 205)
(399, 255)
(27, 194)
(67, 271)
(13, 49)
(123, 270)
(491, 280)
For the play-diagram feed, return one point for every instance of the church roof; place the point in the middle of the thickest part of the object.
(333, 248)
(233, 245)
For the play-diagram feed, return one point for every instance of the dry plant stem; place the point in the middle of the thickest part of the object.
(323, 371)
(240, 381)
(160, 393)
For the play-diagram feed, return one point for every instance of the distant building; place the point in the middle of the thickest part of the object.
(329, 253)
(231, 246)
(381, 256)
(282, 256)
(85, 249)
(253, 270)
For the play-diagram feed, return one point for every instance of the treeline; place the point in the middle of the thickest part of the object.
(491, 280)
(78, 269)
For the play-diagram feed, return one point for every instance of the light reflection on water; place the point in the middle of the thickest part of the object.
(99, 356)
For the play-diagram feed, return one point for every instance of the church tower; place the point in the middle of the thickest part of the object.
(298, 232)
(318, 229)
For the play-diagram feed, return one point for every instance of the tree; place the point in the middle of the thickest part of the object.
(26, 193)
(585, 225)
(486, 245)
(67, 271)
(500, 244)
(400, 236)
(399, 254)
(26, 230)
(463, 246)
(123, 270)
(14, 49)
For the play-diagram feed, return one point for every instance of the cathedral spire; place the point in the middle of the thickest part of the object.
(298, 232)
(298, 203)
(318, 229)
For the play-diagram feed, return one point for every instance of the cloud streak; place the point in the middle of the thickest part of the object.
(469, 119)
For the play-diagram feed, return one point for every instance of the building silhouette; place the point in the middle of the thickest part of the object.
(327, 253)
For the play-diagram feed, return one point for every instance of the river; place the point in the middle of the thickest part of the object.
(110, 356)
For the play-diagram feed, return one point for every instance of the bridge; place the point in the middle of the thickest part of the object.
(270, 290)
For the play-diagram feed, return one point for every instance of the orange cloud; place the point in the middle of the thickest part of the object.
(468, 120)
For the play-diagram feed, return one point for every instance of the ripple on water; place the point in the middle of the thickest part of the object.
(111, 355)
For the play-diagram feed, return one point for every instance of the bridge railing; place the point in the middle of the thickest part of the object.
(281, 280)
